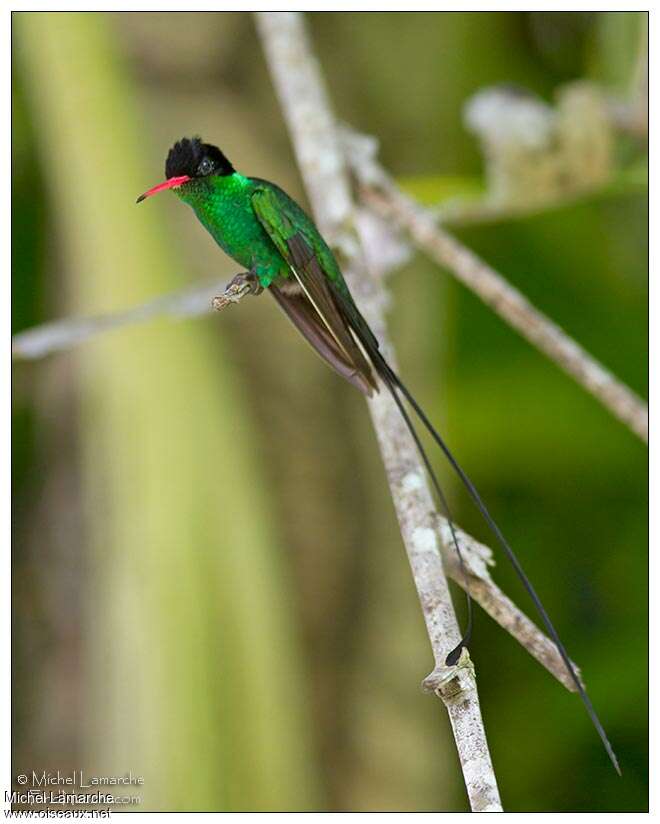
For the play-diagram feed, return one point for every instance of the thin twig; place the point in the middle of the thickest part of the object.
(297, 78)
(379, 193)
(65, 334)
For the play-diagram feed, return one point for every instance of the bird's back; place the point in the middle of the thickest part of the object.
(306, 226)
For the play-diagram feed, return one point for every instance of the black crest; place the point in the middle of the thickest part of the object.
(196, 159)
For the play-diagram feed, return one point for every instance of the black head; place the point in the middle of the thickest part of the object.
(189, 160)
(196, 159)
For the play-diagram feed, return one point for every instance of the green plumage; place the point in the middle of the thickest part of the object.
(234, 209)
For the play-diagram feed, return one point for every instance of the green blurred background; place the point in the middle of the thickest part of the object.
(210, 589)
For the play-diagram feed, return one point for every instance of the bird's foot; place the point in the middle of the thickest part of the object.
(245, 283)
(247, 280)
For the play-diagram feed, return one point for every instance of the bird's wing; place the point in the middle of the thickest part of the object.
(314, 307)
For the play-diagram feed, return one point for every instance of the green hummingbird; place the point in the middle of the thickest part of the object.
(258, 225)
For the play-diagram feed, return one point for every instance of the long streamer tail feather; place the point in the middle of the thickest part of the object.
(394, 383)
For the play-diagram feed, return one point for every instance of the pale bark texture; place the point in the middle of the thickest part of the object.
(299, 85)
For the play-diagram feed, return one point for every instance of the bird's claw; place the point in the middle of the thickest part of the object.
(245, 283)
(248, 281)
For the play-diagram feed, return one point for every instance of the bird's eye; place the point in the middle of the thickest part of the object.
(205, 167)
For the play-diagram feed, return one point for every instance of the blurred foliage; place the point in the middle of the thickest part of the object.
(209, 583)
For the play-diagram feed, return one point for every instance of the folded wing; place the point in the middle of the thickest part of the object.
(309, 300)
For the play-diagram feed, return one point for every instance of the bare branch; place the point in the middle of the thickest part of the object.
(59, 335)
(300, 88)
(64, 334)
(379, 193)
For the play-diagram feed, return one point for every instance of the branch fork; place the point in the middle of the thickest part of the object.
(450, 683)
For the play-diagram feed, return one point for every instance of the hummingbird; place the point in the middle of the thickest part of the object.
(265, 231)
